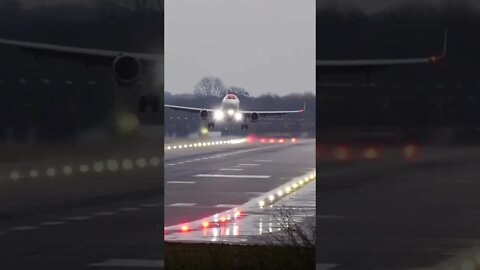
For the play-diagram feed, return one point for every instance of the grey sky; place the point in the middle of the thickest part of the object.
(262, 46)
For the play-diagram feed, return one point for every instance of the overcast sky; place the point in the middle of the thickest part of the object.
(262, 46)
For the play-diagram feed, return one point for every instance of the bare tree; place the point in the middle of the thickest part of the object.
(239, 91)
(210, 86)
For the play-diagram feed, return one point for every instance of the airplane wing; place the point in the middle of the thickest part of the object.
(271, 113)
(88, 54)
(187, 109)
(340, 66)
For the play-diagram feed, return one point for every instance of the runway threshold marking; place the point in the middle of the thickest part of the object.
(182, 204)
(232, 176)
(229, 169)
(181, 182)
(129, 263)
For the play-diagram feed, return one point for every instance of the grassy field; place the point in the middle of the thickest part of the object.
(249, 257)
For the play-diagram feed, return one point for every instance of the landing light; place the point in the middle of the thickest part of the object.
(238, 116)
(230, 112)
(218, 115)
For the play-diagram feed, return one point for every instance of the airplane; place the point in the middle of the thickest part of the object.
(229, 111)
(128, 68)
(129, 72)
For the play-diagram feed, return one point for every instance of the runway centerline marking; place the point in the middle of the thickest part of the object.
(229, 169)
(130, 263)
(23, 228)
(181, 182)
(182, 204)
(226, 205)
(263, 160)
(232, 176)
(248, 164)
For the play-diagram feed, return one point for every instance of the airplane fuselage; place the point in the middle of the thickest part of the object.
(229, 109)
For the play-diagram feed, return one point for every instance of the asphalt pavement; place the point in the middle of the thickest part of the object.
(97, 208)
(394, 211)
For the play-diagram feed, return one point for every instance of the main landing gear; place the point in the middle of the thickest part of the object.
(211, 125)
(244, 126)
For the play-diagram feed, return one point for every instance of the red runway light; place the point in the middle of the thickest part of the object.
(294, 140)
(184, 228)
(262, 140)
(281, 140)
(272, 141)
(223, 219)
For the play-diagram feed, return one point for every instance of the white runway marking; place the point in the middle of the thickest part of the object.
(232, 176)
(325, 266)
(130, 263)
(263, 160)
(248, 164)
(226, 205)
(23, 228)
(182, 204)
(51, 223)
(181, 182)
(79, 218)
(228, 169)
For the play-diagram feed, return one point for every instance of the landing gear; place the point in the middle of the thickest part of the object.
(211, 125)
(244, 126)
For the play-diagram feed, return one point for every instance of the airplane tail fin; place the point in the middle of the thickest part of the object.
(304, 107)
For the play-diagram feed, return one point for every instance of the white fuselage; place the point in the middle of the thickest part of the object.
(229, 109)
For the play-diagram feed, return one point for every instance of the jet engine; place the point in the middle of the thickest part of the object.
(126, 69)
(203, 114)
(254, 117)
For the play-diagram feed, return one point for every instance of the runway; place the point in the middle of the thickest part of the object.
(90, 208)
(394, 212)
(201, 183)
